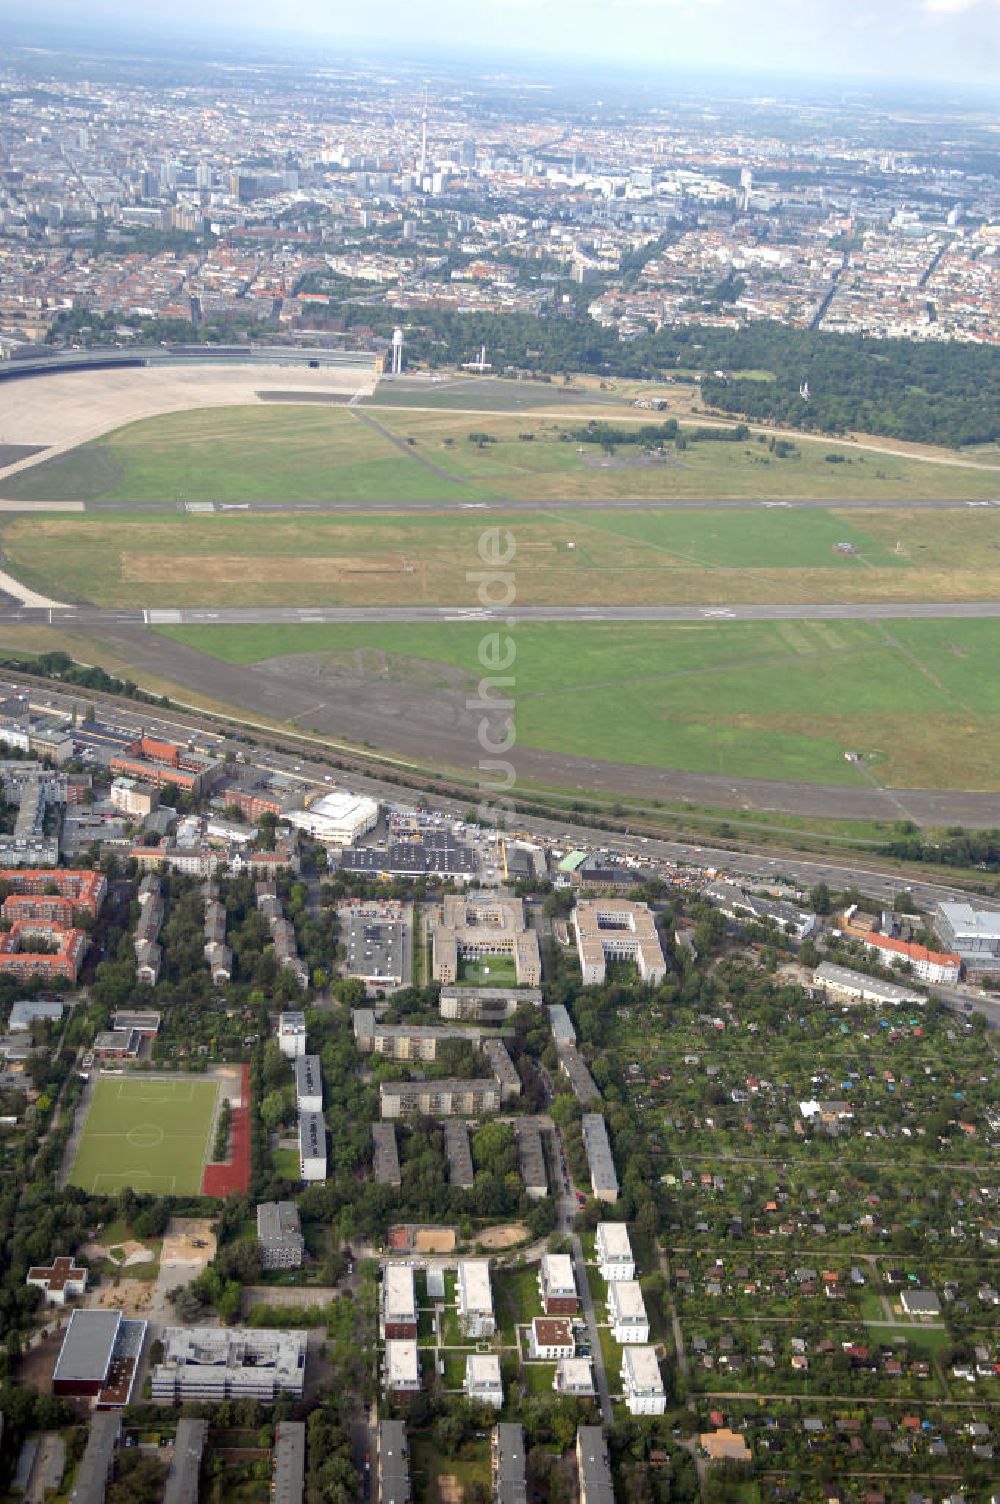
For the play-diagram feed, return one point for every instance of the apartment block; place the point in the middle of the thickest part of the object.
(557, 1285)
(438, 1099)
(402, 1365)
(627, 1311)
(475, 1299)
(399, 1302)
(600, 1160)
(643, 1385)
(614, 1252)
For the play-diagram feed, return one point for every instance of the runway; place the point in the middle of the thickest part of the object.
(446, 503)
(333, 616)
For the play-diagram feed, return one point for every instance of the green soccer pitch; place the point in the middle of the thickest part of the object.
(151, 1134)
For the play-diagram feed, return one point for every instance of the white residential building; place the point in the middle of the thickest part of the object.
(402, 1365)
(574, 1378)
(475, 1298)
(308, 1083)
(292, 1034)
(399, 1301)
(614, 1252)
(482, 1379)
(627, 1311)
(644, 1392)
(551, 1338)
(557, 1284)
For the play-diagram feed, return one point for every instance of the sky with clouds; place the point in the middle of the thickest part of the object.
(891, 39)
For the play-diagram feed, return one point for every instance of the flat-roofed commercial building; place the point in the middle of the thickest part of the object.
(32, 1010)
(375, 945)
(288, 1482)
(312, 1146)
(483, 1383)
(279, 1235)
(393, 1464)
(386, 1154)
(399, 1301)
(531, 1158)
(973, 933)
(475, 1298)
(557, 1285)
(220, 1363)
(475, 926)
(603, 1179)
(627, 1312)
(184, 1474)
(510, 1484)
(98, 1357)
(308, 1083)
(593, 1466)
(644, 1392)
(439, 1099)
(614, 1252)
(402, 1365)
(338, 818)
(461, 1172)
(847, 986)
(612, 929)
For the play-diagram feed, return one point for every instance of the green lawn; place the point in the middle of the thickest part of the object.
(286, 1163)
(920, 699)
(470, 1465)
(489, 971)
(153, 1136)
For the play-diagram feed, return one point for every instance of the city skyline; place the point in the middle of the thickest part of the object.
(929, 41)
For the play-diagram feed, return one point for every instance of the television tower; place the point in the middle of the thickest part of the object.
(423, 141)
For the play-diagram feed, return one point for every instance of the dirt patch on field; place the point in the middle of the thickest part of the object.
(188, 1240)
(245, 569)
(365, 664)
(449, 1490)
(503, 1237)
(434, 1240)
(122, 1254)
(133, 1297)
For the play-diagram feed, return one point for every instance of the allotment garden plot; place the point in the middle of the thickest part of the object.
(151, 1134)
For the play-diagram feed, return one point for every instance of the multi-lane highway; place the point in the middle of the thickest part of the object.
(278, 616)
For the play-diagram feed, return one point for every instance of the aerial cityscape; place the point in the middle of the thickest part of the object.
(500, 753)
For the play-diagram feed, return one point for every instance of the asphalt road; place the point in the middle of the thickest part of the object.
(230, 616)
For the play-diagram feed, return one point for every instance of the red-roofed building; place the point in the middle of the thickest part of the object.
(18, 959)
(928, 965)
(80, 888)
(61, 1280)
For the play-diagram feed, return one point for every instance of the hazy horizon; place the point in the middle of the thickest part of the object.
(943, 42)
